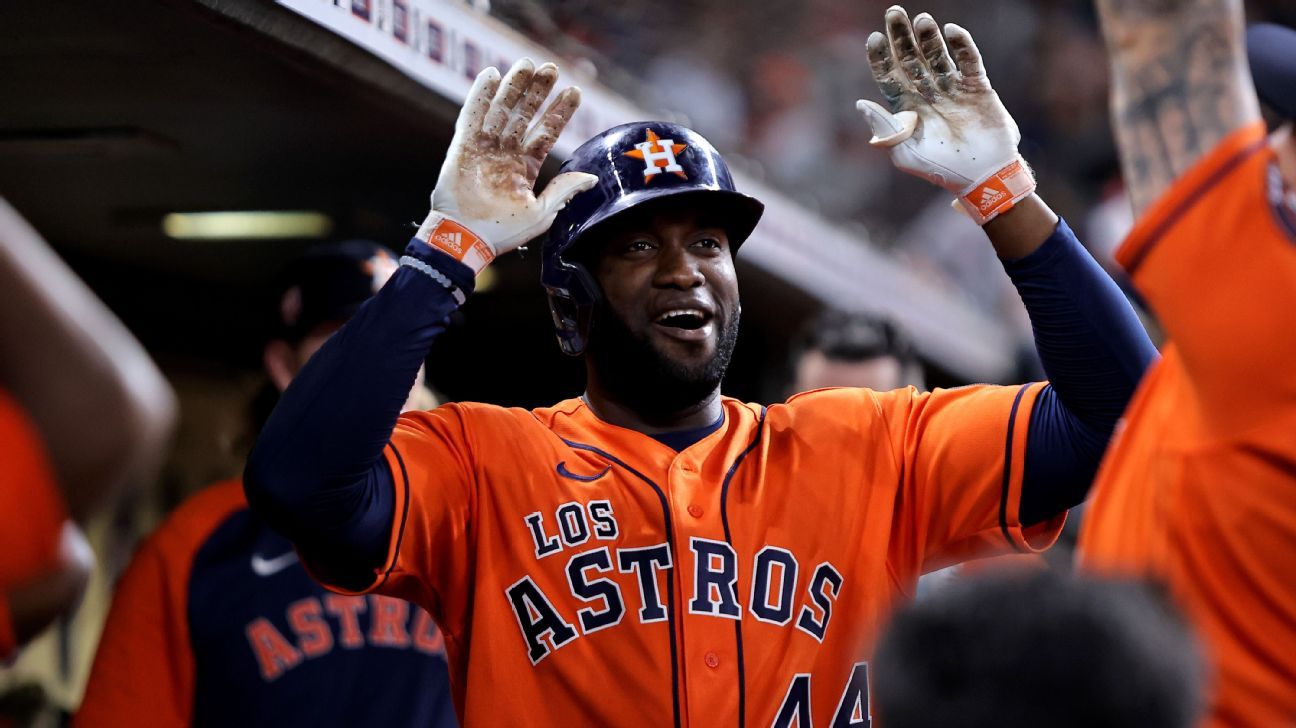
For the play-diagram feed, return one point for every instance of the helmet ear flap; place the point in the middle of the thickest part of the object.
(571, 323)
(572, 308)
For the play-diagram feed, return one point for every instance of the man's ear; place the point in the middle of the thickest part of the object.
(1283, 141)
(280, 360)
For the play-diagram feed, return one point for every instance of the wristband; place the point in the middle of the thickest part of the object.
(410, 261)
(996, 194)
(460, 243)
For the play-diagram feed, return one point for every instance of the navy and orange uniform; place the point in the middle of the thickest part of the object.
(215, 622)
(589, 574)
(31, 509)
(700, 587)
(1199, 489)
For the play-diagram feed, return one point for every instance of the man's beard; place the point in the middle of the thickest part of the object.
(639, 376)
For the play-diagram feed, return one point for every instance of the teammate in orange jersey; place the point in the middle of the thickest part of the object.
(653, 553)
(1199, 489)
(44, 564)
(215, 622)
(66, 363)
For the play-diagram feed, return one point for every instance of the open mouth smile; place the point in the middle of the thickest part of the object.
(685, 324)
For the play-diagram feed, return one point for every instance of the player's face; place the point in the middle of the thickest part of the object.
(671, 295)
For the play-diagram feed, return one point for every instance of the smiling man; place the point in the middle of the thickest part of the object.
(652, 553)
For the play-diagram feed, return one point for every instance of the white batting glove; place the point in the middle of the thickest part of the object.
(946, 124)
(483, 203)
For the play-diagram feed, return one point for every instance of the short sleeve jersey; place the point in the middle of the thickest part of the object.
(31, 509)
(1199, 487)
(586, 574)
(216, 623)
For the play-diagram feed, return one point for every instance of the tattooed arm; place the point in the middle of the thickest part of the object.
(1180, 84)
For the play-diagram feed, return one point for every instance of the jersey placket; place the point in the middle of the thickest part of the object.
(709, 661)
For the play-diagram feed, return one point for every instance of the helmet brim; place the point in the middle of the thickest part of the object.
(740, 213)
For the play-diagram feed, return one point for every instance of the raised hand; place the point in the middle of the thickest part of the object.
(483, 204)
(945, 123)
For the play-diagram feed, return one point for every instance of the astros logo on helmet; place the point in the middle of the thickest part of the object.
(658, 156)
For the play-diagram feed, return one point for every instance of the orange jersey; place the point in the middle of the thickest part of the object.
(31, 508)
(1199, 488)
(586, 574)
(215, 622)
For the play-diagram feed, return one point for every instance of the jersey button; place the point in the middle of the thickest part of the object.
(695, 511)
(712, 660)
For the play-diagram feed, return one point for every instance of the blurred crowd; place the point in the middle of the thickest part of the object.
(774, 87)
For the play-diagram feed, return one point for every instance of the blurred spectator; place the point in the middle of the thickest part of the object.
(840, 349)
(83, 413)
(216, 621)
(686, 83)
(790, 136)
(1038, 650)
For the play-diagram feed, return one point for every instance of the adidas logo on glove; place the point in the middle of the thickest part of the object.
(989, 196)
(451, 241)
(998, 193)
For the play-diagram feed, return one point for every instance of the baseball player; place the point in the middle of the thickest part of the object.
(651, 552)
(40, 576)
(65, 363)
(1199, 490)
(215, 622)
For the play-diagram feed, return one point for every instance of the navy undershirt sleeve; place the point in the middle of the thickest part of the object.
(1094, 351)
(316, 473)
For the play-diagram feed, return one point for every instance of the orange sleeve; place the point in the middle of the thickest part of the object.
(961, 454)
(143, 671)
(1215, 257)
(429, 455)
(31, 506)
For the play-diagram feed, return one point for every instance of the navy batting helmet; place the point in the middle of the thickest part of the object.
(634, 163)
